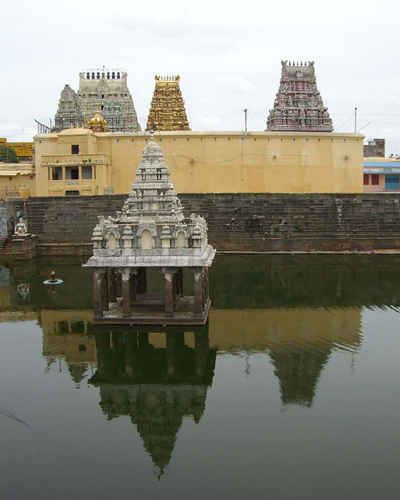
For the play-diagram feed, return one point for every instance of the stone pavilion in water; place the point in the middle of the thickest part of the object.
(150, 231)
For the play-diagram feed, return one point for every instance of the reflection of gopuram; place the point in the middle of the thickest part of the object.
(150, 232)
(299, 342)
(155, 386)
(298, 373)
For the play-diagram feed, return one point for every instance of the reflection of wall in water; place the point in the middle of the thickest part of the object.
(66, 334)
(157, 387)
(266, 329)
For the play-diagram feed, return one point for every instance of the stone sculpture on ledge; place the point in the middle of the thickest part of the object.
(150, 232)
(23, 244)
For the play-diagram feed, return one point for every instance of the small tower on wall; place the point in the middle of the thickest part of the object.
(298, 105)
(167, 110)
(69, 112)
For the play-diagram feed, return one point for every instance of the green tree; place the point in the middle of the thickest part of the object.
(8, 155)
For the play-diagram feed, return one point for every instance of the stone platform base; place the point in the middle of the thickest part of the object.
(23, 246)
(150, 311)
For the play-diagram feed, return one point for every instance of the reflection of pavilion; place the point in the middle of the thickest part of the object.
(155, 386)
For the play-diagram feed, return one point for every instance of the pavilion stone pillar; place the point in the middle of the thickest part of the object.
(100, 295)
(103, 349)
(104, 291)
(131, 353)
(198, 291)
(118, 350)
(201, 351)
(126, 292)
(112, 285)
(170, 289)
(206, 285)
(171, 354)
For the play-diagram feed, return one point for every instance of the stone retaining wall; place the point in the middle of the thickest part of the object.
(237, 222)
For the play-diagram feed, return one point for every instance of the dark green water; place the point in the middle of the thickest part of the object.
(292, 392)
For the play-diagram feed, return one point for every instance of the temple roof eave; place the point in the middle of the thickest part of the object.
(134, 261)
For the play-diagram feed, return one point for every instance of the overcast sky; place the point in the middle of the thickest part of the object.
(227, 53)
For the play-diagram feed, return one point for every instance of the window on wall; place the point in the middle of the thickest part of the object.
(87, 172)
(75, 149)
(72, 193)
(366, 179)
(375, 179)
(56, 173)
(72, 173)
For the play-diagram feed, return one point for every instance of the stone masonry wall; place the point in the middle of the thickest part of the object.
(238, 222)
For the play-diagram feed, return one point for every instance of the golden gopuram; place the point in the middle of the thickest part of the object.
(167, 110)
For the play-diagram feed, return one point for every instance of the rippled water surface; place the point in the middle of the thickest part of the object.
(291, 392)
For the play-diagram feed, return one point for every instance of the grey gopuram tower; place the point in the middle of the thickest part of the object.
(103, 91)
(150, 231)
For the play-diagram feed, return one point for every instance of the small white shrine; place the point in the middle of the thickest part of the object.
(150, 232)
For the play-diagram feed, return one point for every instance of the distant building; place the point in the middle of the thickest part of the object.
(24, 150)
(17, 180)
(298, 105)
(375, 148)
(100, 91)
(167, 110)
(381, 174)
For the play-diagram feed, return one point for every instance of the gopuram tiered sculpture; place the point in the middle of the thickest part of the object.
(298, 105)
(167, 110)
(150, 232)
(103, 91)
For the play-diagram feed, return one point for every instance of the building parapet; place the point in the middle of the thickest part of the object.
(70, 159)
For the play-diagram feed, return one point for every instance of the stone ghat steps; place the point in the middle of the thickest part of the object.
(246, 221)
(5, 247)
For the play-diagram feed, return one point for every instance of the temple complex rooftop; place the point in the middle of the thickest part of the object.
(103, 91)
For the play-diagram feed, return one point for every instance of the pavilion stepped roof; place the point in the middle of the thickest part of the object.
(151, 229)
(167, 110)
(298, 105)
